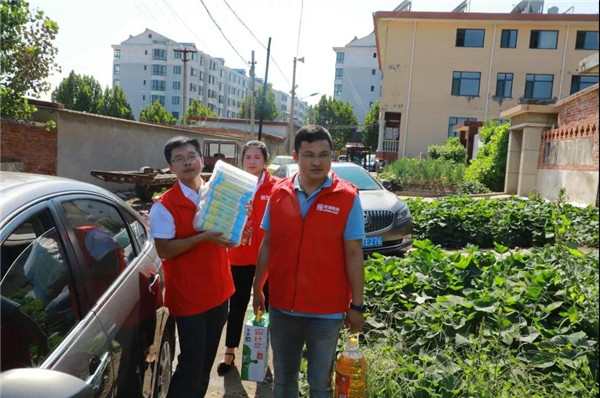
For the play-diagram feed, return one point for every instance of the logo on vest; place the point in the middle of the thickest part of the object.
(265, 197)
(328, 208)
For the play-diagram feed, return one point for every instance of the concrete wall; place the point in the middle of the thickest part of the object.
(89, 142)
(425, 112)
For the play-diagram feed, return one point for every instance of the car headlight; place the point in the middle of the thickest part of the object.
(403, 213)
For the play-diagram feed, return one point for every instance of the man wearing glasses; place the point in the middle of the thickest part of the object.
(312, 254)
(198, 280)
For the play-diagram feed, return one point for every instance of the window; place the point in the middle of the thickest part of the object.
(373, 72)
(159, 54)
(159, 70)
(374, 55)
(579, 83)
(175, 100)
(339, 58)
(194, 56)
(470, 37)
(39, 306)
(221, 72)
(504, 85)
(137, 229)
(175, 115)
(143, 98)
(116, 82)
(176, 85)
(102, 243)
(211, 79)
(159, 98)
(337, 90)
(538, 86)
(543, 39)
(158, 85)
(201, 61)
(586, 40)
(117, 53)
(201, 75)
(194, 72)
(508, 38)
(176, 54)
(116, 69)
(454, 120)
(144, 83)
(193, 87)
(372, 88)
(339, 73)
(177, 70)
(466, 83)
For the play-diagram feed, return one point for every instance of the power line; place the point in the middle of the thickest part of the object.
(299, 28)
(185, 24)
(222, 33)
(256, 38)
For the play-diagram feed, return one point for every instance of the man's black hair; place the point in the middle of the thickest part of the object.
(256, 144)
(311, 133)
(180, 141)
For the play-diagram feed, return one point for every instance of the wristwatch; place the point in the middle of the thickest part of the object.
(359, 308)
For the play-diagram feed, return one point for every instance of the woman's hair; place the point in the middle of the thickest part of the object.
(256, 144)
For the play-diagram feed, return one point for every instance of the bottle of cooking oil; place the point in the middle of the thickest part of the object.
(351, 372)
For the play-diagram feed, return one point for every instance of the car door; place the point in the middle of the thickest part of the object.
(121, 283)
(43, 323)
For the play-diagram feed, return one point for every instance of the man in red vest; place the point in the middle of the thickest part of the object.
(312, 255)
(198, 280)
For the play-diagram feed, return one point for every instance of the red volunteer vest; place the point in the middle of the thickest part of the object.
(248, 254)
(307, 269)
(199, 279)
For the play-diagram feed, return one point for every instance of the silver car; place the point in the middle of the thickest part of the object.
(81, 289)
(388, 225)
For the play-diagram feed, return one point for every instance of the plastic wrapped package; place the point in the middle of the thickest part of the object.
(223, 201)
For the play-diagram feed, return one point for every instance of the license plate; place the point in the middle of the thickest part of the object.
(372, 241)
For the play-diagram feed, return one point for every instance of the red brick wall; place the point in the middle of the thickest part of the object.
(29, 144)
(577, 119)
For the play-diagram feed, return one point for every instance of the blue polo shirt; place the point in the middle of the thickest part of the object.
(354, 230)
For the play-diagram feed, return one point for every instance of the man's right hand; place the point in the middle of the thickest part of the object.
(258, 301)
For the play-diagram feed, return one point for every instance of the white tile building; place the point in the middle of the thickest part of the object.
(357, 75)
(148, 68)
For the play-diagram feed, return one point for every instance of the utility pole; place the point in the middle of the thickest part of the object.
(264, 94)
(252, 96)
(290, 132)
(185, 60)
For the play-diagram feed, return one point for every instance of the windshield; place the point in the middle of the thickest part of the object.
(358, 177)
(280, 160)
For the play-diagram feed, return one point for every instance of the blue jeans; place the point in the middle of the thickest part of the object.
(288, 336)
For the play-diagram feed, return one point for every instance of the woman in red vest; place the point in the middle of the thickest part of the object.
(243, 258)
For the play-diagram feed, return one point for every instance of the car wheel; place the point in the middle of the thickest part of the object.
(164, 366)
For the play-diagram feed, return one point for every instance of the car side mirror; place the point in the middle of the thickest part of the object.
(387, 184)
(42, 383)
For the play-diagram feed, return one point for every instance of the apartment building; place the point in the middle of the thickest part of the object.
(443, 68)
(149, 68)
(357, 75)
(283, 101)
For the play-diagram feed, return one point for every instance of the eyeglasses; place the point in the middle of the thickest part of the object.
(184, 159)
(324, 156)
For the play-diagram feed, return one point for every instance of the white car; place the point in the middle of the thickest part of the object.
(279, 161)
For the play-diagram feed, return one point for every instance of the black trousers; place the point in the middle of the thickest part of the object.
(243, 278)
(199, 337)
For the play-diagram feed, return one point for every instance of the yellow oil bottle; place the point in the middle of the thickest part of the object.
(351, 372)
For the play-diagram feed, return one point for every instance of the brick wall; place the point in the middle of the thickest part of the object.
(30, 145)
(577, 120)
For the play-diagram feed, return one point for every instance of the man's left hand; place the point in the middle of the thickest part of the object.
(354, 320)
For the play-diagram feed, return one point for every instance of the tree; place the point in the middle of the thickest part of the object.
(336, 116)
(198, 110)
(79, 93)
(26, 57)
(370, 127)
(114, 103)
(156, 113)
(268, 110)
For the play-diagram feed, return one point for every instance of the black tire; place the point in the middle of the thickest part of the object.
(164, 365)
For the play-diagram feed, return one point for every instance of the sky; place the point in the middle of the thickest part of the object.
(298, 28)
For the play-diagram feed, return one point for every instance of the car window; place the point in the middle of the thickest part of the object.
(137, 230)
(38, 306)
(358, 177)
(280, 172)
(103, 242)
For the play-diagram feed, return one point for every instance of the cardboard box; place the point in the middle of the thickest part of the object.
(255, 356)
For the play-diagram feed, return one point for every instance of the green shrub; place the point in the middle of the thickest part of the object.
(452, 151)
(427, 173)
(456, 222)
(472, 187)
(489, 165)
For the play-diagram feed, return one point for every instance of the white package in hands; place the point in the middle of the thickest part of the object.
(223, 201)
